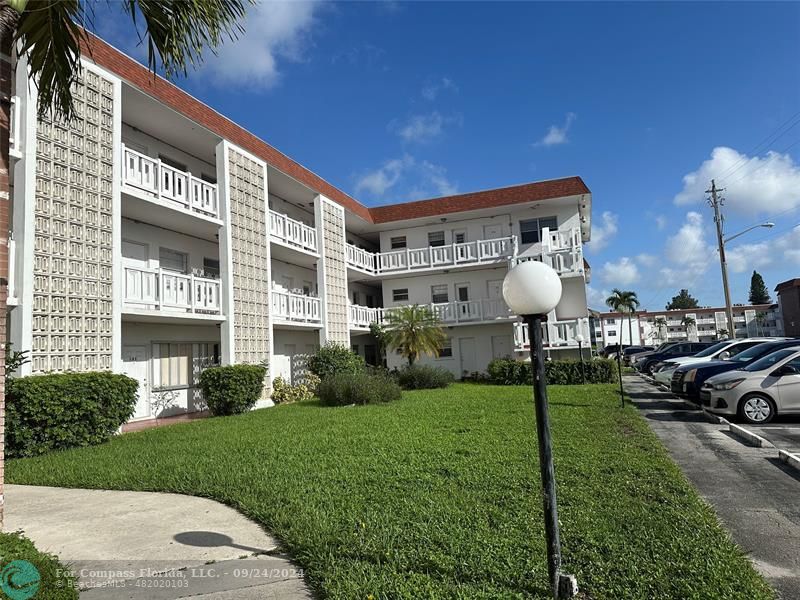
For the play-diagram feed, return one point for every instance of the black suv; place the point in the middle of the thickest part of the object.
(677, 351)
(689, 379)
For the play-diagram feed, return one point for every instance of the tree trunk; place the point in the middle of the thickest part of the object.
(630, 328)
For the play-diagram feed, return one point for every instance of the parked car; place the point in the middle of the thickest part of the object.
(677, 351)
(663, 372)
(688, 379)
(636, 358)
(609, 351)
(629, 352)
(759, 391)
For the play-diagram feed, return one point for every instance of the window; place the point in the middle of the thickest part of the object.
(400, 295)
(446, 350)
(459, 237)
(530, 230)
(398, 242)
(436, 238)
(612, 333)
(355, 297)
(462, 292)
(172, 260)
(611, 321)
(211, 268)
(439, 294)
(172, 365)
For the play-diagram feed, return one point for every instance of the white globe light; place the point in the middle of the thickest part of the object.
(532, 288)
(579, 338)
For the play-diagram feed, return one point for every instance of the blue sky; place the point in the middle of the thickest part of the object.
(646, 101)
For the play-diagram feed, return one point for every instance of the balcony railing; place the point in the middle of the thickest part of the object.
(165, 182)
(556, 334)
(297, 308)
(432, 257)
(160, 290)
(292, 232)
(361, 317)
(15, 129)
(449, 313)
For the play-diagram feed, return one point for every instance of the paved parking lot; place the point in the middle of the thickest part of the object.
(783, 433)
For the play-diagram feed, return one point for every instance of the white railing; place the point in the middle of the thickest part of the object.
(153, 176)
(15, 129)
(292, 232)
(157, 289)
(555, 334)
(563, 250)
(449, 313)
(288, 306)
(432, 257)
(361, 317)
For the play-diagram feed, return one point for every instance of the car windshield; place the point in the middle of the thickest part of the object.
(754, 352)
(712, 349)
(770, 360)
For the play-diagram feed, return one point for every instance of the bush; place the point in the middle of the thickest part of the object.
(424, 377)
(232, 389)
(332, 359)
(284, 392)
(358, 388)
(507, 371)
(64, 410)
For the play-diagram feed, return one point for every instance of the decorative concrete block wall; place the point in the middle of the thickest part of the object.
(333, 274)
(72, 308)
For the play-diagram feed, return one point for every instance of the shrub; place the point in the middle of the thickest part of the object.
(424, 377)
(232, 389)
(64, 410)
(332, 359)
(284, 392)
(358, 388)
(507, 371)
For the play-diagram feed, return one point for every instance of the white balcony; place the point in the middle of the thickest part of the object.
(361, 317)
(449, 313)
(170, 292)
(180, 188)
(555, 334)
(293, 233)
(409, 260)
(290, 307)
(15, 129)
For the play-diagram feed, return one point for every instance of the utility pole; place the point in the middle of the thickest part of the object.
(716, 202)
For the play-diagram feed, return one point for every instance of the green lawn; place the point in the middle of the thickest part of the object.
(54, 582)
(437, 495)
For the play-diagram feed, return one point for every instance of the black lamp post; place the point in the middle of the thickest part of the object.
(579, 338)
(532, 289)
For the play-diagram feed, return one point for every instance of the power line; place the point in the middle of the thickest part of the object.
(765, 163)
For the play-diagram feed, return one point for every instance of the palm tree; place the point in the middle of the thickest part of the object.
(49, 34)
(761, 318)
(722, 334)
(624, 302)
(687, 323)
(414, 330)
(661, 325)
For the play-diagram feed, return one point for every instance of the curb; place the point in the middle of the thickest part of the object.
(750, 438)
(793, 460)
(712, 418)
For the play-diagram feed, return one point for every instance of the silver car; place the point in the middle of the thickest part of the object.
(759, 391)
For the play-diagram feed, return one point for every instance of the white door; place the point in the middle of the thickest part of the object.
(136, 364)
(495, 305)
(466, 350)
(501, 346)
(492, 232)
(139, 282)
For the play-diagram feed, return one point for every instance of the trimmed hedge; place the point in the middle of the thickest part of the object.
(424, 377)
(65, 410)
(507, 371)
(335, 358)
(232, 389)
(358, 388)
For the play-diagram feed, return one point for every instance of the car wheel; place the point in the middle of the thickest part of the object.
(649, 368)
(757, 409)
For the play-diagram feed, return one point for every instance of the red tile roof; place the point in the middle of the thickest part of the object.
(172, 96)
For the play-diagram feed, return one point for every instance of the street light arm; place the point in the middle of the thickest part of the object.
(733, 237)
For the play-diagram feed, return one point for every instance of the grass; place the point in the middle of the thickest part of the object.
(437, 495)
(55, 582)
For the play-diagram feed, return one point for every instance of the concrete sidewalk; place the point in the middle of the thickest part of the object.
(754, 494)
(150, 545)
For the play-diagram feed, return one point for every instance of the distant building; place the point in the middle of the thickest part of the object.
(789, 302)
(710, 324)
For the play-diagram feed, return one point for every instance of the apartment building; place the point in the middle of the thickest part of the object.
(694, 325)
(154, 237)
(789, 302)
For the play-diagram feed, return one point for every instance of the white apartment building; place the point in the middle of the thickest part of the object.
(704, 325)
(154, 237)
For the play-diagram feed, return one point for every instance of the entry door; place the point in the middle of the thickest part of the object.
(466, 350)
(789, 389)
(501, 346)
(136, 364)
(492, 232)
(496, 306)
(466, 310)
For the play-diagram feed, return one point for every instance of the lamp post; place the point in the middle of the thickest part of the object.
(579, 338)
(532, 289)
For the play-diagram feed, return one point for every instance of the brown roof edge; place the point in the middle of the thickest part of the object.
(785, 285)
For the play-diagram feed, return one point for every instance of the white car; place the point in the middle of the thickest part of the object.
(721, 351)
(759, 391)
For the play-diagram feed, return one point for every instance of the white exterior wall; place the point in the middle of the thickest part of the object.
(419, 286)
(155, 238)
(152, 147)
(285, 274)
(291, 350)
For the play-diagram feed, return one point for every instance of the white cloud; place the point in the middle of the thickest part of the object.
(423, 128)
(274, 31)
(432, 90)
(420, 179)
(745, 257)
(620, 273)
(767, 184)
(557, 135)
(789, 246)
(603, 231)
(647, 260)
(596, 298)
(661, 222)
(689, 252)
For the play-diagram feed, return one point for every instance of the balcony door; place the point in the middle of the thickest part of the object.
(467, 310)
(140, 283)
(495, 305)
